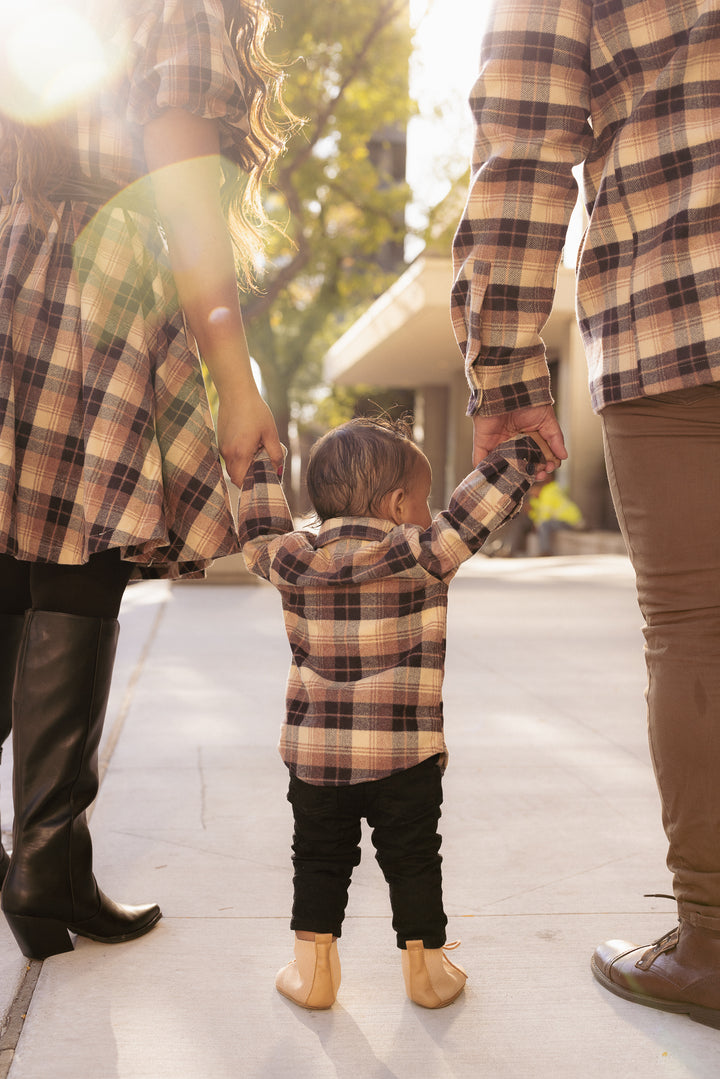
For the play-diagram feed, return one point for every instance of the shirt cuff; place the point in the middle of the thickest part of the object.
(500, 388)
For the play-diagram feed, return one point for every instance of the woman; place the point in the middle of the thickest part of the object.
(108, 461)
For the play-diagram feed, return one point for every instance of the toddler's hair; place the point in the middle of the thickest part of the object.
(353, 467)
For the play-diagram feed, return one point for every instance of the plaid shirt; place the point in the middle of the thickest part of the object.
(365, 605)
(633, 90)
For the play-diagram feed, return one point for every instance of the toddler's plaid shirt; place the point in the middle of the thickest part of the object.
(365, 605)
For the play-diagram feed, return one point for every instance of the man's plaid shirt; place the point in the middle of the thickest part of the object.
(633, 90)
(365, 605)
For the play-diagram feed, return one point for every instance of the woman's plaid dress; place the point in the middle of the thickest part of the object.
(106, 437)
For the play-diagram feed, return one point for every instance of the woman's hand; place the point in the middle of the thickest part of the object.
(243, 426)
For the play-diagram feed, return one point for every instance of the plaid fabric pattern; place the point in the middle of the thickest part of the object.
(180, 57)
(633, 91)
(106, 437)
(365, 607)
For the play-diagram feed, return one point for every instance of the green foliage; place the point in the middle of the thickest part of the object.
(342, 403)
(347, 64)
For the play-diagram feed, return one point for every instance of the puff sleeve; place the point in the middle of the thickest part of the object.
(182, 58)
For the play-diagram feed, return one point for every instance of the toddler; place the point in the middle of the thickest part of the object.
(365, 605)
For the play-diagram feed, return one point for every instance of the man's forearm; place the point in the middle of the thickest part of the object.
(530, 105)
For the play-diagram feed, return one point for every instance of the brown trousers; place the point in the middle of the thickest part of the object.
(663, 458)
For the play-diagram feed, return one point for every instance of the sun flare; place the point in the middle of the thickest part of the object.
(52, 56)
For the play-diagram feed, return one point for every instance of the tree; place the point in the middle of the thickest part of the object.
(348, 77)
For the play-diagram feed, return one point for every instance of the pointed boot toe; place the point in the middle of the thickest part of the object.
(115, 923)
(40, 937)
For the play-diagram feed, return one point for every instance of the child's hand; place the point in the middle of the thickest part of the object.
(551, 461)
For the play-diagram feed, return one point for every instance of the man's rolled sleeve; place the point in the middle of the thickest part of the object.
(531, 104)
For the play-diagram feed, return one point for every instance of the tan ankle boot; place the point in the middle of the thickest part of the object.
(312, 978)
(431, 980)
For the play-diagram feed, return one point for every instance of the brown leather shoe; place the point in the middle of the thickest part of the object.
(680, 972)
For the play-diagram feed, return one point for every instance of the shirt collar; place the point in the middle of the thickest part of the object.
(364, 528)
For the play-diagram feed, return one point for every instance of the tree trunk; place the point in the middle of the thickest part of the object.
(277, 397)
(275, 390)
(281, 411)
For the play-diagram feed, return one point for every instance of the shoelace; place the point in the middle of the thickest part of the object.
(452, 946)
(665, 943)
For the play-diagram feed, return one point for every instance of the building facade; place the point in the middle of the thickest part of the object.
(405, 340)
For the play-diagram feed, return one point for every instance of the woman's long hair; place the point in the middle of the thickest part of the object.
(29, 157)
(34, 158)
(247, 23)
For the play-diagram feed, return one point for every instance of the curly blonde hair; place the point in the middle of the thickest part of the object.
(36, 158)
(248, 23)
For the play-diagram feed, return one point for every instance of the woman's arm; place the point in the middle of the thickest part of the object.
(182, 153)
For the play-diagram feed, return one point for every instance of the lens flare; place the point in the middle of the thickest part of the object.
(51, 56)
(218, 316)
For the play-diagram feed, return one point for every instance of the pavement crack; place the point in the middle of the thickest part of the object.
(14, 1018)
(203, 789)
(561, 880)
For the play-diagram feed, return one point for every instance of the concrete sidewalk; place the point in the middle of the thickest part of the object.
(551, 836)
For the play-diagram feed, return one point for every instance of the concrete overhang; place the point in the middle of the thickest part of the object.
(405, 338)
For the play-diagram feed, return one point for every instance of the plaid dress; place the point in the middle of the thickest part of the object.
(365, 605)
(106, 436)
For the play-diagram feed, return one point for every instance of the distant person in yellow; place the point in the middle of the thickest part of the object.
(550, 510)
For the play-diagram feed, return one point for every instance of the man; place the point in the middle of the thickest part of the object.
(632, 90)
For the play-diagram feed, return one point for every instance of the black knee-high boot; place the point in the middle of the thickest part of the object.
(11, 630)
(61, 692)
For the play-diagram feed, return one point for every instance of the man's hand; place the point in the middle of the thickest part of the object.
(490, 431)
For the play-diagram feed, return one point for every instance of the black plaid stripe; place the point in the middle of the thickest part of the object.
(365, 606)
(646, 76)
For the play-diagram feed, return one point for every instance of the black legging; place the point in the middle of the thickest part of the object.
(94, 590)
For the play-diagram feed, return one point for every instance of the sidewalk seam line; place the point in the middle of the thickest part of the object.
(14, 1018)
